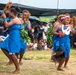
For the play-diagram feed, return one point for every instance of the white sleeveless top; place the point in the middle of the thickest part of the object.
(66, 29)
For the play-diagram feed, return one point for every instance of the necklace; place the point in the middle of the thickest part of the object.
(66, 29)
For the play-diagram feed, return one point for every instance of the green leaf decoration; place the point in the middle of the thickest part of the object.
(24, 35)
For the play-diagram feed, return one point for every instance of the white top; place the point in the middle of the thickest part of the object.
(66, 29)
(45, 28)
(35, 45)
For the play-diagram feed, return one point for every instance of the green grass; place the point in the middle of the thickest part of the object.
(73, 52)
(38, 55)
(37, 63)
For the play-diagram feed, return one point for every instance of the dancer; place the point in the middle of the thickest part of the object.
(61, 40)
(12, 44)
(24, 18)
(27, 26)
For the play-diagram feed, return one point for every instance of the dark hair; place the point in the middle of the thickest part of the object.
(16, 10)
(27, 12)
(19, 15)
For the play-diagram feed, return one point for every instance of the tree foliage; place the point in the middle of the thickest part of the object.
(49, 35)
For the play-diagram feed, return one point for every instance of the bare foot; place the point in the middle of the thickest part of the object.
(16, 71)
(65, 66)
(20, 63)
(59, 69)
(9, 63)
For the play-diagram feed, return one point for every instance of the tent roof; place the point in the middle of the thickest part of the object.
(41, 11)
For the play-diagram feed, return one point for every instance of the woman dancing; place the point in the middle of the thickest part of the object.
(61, 40)
(12, 44)
(27, 27)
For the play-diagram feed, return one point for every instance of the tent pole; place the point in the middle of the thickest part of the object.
(57, 7)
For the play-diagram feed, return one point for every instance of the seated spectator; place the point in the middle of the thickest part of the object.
(41, 44)
(29, 46)
(32, 45)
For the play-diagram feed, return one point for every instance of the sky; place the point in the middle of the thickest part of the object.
(51, 4)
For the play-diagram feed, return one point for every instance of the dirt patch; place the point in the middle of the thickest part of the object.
(49, 67)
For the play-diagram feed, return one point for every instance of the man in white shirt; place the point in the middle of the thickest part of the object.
(45, 28)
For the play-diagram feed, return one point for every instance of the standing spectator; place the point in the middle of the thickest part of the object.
(40, 35)
(35, 25)
(45, 28)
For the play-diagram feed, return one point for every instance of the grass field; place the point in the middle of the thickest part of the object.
(38, 63)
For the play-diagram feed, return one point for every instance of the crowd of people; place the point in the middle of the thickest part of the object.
(13, 46)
